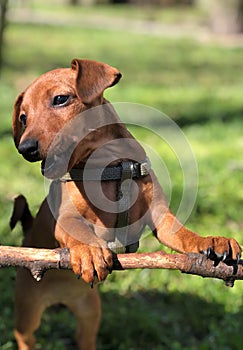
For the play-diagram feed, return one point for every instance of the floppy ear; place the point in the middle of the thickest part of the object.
(16, 124)
(92, 78)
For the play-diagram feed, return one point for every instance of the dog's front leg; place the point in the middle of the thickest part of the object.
(175, 235)
(89, 254)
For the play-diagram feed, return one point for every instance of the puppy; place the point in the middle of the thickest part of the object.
(102, 196)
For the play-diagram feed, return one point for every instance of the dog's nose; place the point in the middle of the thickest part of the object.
(30, 150)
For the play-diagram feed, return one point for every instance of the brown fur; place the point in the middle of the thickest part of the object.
(85, 82)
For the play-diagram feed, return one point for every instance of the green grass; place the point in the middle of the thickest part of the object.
(195, 82)
(199, 86)
(182, 15)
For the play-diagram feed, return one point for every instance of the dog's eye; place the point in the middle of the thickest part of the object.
(23, 119)
(60, 100)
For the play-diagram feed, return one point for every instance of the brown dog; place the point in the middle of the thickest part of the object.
(63, 120)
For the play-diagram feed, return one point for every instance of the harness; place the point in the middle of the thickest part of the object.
(123, 174)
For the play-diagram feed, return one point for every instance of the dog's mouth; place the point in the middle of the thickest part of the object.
(58, 159)
(54, 167)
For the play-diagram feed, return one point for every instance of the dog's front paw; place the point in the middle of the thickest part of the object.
(91, 261)
(220, 247)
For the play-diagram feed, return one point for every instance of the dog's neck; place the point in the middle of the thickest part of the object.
(110, 143)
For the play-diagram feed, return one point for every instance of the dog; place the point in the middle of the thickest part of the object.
(103, 194)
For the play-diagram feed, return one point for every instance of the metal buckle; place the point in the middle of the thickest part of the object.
(145, 167)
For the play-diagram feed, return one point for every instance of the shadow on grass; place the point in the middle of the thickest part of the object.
(154, 320)
(139, 321)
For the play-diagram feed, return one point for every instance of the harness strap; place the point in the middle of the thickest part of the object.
(123, 197)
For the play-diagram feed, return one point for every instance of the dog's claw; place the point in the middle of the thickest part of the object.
(109, 269)
(224, 256)
(91, 284)
(208, 252)
(238, 258)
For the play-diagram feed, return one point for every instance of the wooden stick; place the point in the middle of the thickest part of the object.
(40, 260)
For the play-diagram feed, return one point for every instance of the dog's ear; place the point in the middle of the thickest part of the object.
(93, 78)
(16, 124)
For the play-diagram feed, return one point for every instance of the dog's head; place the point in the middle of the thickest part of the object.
(52, 100)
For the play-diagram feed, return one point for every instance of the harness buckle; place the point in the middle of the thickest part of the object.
(145, 167)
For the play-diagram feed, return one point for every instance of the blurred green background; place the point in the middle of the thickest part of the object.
(174, 60)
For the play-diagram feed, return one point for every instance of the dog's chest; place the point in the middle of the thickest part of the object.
(97, 204)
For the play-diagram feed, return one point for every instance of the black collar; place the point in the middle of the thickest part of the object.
(109, 173)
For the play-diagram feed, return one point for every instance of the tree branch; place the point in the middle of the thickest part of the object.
(40, 260)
